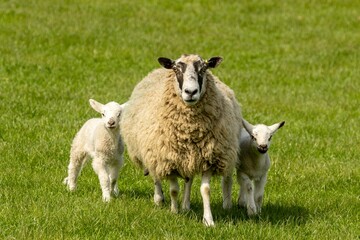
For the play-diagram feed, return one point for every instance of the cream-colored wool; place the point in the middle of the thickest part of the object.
(166, 136)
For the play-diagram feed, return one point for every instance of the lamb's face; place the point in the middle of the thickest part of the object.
(261, 134)
(110, 113)
(261, 137)
(190, 71)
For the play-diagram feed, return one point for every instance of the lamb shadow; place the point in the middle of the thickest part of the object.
(276, 214)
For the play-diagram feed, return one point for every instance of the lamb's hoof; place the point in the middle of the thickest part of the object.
(116, 192)
(106, 199)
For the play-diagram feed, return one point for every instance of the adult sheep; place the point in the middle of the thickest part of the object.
(181, 120)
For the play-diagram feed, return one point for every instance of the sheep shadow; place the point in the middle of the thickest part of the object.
(276, 214)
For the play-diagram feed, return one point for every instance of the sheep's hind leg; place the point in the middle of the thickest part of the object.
(100, 169)
(226, 184)
(158, 193)
(205, 194)
(187, 192)
(77, 159)
(247, 185)
(174, 192)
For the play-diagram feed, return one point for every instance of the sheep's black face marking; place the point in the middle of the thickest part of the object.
(179, 70)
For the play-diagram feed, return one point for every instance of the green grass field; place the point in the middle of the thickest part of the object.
(297, 61)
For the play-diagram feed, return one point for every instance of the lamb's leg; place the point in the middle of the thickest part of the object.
(114, 175)
(248, 187)
(205, 194)
(226, 184)
(174, 192)
(259, 192)
(242, 198)
(100, 169)
(187, 193)
(158, 193)
(77, 159)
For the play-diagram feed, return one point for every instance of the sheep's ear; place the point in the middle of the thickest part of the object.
(214, 62)
(96, 105)
(276, 126)
(166, 62)
(248, 127)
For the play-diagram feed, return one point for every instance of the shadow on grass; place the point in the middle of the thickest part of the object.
(271, 213)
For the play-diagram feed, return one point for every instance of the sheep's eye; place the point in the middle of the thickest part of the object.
(270, 138)
(253, 137)
(119, 114)
(103, 114)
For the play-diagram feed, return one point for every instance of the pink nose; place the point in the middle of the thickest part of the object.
(111, 122)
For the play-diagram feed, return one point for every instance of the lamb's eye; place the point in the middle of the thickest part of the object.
(103, 114)
(119, 114)
(270, 138)
(253, 137)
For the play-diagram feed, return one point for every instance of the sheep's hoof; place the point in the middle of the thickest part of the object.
(251, 211)
(208, 222)
(115, 192)
(106, 199)
(227, 205)
(65, 181)
(159, 199)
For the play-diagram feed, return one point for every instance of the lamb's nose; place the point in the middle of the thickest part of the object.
(111, 122)
(191, 92)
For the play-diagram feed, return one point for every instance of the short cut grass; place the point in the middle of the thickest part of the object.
(296, 61)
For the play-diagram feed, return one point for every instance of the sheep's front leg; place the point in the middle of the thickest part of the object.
(205, 194)
(226, 184)
(187, 193)
(242, 198)
(114, 175)
(174, 192)
(259, 192)
(100, 169)
(158, 193)
(248, 188)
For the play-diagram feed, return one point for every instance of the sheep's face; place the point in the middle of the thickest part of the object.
(190, 71)
(261, 134)
(110, 113)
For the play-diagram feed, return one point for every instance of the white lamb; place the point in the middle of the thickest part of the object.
(182, 121)
(253, 164)
(99, 139)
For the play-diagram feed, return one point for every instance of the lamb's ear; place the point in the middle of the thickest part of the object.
(276, 126)
(166, 62)
(214, 62)
(96, 105)
(248, 127)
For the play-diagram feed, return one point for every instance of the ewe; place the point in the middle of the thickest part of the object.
(99, 139)
(254, 163)
(181, 121)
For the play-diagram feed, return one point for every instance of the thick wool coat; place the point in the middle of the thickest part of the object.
(166, 136)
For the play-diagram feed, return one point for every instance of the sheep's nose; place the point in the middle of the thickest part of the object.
(111, 122)
(190, 92)
(262, 148)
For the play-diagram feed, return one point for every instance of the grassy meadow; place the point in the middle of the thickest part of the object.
(297, 61)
